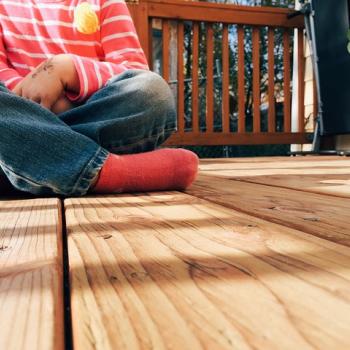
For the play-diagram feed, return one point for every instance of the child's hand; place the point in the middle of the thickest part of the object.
(47, 82)
(43, 85)
(63, 104)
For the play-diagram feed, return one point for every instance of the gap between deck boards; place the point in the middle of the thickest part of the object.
(66, 282)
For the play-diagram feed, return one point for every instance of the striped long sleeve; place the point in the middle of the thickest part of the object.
(9, 76)
(33, 31)
(121, 50)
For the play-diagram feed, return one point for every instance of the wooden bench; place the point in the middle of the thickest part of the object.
(254, 255)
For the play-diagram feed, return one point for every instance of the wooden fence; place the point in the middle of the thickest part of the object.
(202, 129)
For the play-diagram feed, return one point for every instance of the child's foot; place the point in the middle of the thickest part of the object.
(163, 169)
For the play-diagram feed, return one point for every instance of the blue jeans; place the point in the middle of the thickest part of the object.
(47, 154)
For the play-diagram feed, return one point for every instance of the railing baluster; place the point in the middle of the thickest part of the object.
(165, 49)
(210, 84)
(195, 116)
(241, 89)
(150, 43)
(301, 82)
(271, 78)
(256, 80)
(180, 78)
(225, 81)
(286, 82)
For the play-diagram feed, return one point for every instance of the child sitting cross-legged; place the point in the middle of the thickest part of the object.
(79, 109)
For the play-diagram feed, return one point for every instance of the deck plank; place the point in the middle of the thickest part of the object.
(31, 288)
(324, 175)
(169, 270)
(322, 216)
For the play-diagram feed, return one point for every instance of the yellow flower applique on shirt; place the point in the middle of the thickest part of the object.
(85, 19)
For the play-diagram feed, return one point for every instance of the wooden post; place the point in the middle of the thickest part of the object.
(143, 25)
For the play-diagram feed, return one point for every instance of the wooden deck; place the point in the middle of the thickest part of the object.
(255, 255)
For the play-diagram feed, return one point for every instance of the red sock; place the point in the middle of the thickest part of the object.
(163, 169)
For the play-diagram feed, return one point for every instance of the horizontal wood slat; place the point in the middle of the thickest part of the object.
(199, 11)
(219, 138)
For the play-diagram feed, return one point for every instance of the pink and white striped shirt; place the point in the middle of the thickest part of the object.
(32, 31)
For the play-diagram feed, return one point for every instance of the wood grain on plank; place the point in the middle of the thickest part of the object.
(273, 162)
(31, 282)
(323, 216)
(315, 174)
(171, 271)
(250, 160)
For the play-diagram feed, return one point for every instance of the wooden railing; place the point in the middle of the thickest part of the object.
(240, 119)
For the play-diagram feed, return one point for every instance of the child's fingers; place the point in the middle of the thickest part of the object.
(63, 104)
(36, 99)
(47, 102)
(17, 90)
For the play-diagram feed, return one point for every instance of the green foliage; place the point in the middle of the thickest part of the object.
(349, 40)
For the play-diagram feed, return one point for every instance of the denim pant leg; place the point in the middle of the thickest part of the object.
(42, 155)
(134, 112)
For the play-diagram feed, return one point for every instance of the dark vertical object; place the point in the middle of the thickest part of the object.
(329, 26)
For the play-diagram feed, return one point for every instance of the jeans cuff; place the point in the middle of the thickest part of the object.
(89, 173)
